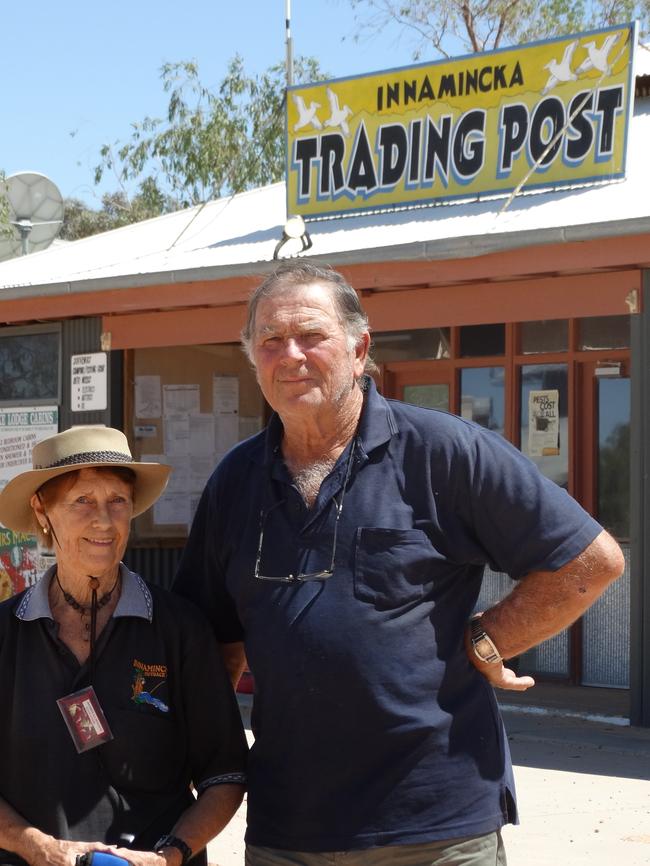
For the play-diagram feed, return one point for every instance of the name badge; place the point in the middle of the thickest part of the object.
(85, 720)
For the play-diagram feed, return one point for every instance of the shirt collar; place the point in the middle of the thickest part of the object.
(377, 425)
(135, 598)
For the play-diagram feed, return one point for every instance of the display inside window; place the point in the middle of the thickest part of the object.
(29, 367)
(545, 419)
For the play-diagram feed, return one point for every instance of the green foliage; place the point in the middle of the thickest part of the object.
(210, 143)
(446, 28)
(117, 210)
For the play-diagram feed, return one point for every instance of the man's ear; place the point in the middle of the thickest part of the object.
(361, 351)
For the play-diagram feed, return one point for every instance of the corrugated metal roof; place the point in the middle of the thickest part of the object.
(237, 235)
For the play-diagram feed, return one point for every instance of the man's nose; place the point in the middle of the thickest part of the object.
(293, 348)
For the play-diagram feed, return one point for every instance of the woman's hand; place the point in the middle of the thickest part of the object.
(39, 848)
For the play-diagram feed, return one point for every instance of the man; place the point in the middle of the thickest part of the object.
(344, 548)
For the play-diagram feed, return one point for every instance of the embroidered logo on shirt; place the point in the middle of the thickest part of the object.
(142, 691)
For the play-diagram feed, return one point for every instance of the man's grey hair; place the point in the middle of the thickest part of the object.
(292, 274)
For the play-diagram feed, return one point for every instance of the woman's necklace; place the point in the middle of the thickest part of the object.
(99, 602)
(90, 628)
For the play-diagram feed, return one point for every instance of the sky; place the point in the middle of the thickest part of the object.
(77, 73)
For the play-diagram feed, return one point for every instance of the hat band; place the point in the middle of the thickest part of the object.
(90, 457)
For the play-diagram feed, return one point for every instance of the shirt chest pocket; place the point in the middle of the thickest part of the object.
(393, 567)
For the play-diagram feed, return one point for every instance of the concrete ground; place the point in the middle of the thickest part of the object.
(583, 790)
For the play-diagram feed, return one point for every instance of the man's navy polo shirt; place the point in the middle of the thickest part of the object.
(164, 691)
(371, 725)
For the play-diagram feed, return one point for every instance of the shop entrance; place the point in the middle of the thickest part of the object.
(502, 377)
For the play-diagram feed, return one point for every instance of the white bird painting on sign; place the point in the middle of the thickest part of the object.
(338, 116)
(560, 71)
(597, 58)
(306, 115)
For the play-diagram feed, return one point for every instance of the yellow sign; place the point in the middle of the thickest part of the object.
(542, 115)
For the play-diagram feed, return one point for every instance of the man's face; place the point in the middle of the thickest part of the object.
(302, 353)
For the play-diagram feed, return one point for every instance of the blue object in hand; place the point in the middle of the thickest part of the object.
(100, 858)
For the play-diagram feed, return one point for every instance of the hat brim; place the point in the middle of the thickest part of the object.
(16, 512)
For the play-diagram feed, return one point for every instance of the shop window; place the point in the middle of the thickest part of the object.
(481, 341)
(482, 396)
(29, 365)
(604, 332)
(538, 337)
(434, 396)
(545, 419)
(420, 344)
(614, 456)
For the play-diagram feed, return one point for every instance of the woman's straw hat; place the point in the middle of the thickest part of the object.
(78, 448)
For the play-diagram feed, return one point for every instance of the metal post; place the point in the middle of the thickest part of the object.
(640, 510)
(289, 42)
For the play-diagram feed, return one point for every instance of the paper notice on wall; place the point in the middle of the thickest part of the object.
(20, 429)
(544, 423)
(225, 395)
(176, 434)
(202, 435)
(249, 426)
(226, 433)
(181, 398)
(172, 508)
(201, 469)
(148, 397)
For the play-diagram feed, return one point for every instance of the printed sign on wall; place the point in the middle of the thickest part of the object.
(453, 129)
(89, 385)
(20, 429)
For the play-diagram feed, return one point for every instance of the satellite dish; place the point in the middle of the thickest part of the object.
(35, 213)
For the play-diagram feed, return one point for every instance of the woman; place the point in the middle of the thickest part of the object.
(113, 696)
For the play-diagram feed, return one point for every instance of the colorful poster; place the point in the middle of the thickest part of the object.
(542, 115)
(21, 564)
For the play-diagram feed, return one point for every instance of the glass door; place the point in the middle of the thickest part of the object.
(423, 383)
(605, 638)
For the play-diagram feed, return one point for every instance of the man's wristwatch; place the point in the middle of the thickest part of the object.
(168, 841)
(484, 646)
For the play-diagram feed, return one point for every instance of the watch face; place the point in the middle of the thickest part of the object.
(485, 649)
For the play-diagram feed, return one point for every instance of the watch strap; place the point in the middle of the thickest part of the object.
(169, 841)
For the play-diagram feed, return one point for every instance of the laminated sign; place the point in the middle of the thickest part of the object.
(541, 115)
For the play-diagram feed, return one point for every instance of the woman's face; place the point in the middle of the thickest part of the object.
(91, 517)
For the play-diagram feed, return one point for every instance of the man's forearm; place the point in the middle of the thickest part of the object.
(542, 604)
(545, 602)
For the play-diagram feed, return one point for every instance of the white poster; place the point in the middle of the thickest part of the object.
(544, 423)
(89, 386)
(148, 397)
(181, 398)
(225, 395)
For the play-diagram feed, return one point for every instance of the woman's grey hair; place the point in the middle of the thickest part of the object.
(352, 315)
